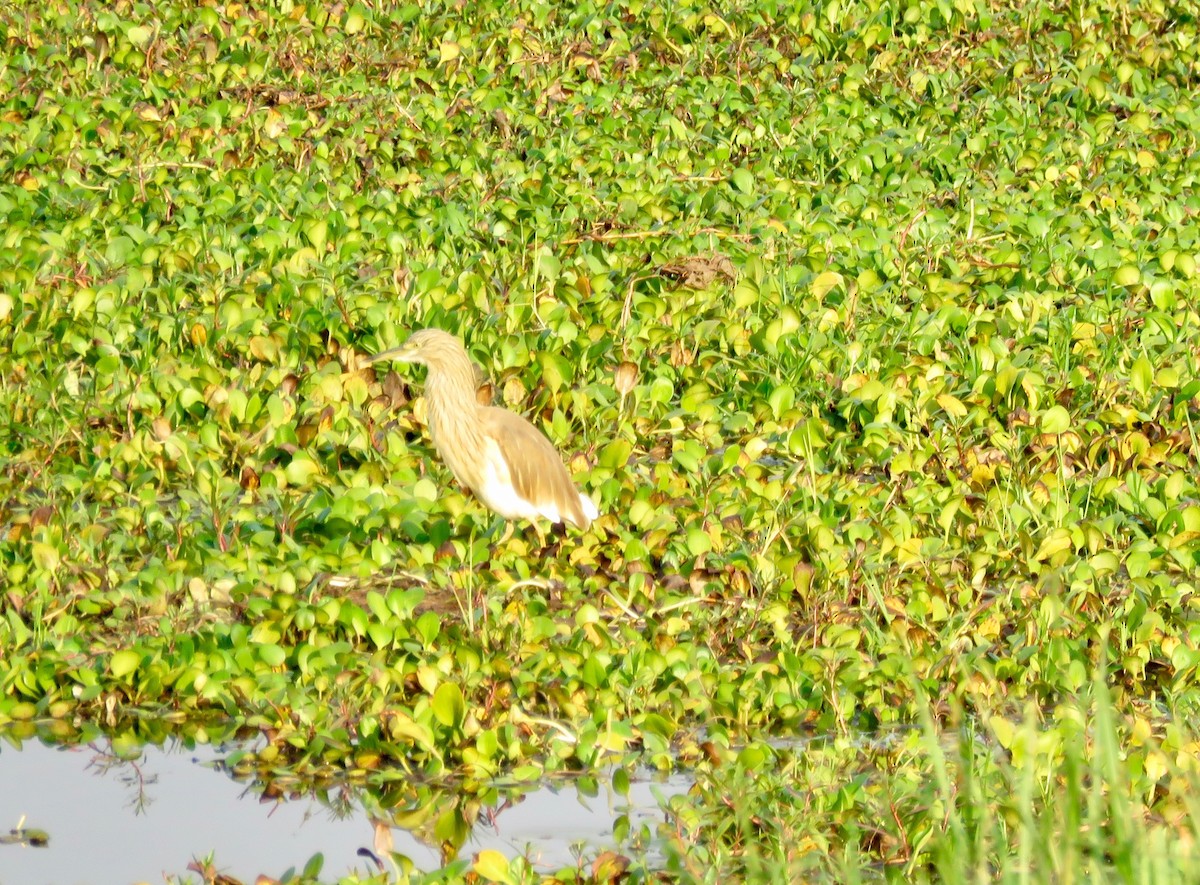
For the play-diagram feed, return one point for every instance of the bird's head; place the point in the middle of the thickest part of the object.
(429, 347)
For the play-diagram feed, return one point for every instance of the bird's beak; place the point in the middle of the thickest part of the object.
(401, 354)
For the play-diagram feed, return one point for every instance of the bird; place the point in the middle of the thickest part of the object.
(510, 465)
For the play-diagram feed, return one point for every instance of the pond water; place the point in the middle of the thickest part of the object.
(113, 820)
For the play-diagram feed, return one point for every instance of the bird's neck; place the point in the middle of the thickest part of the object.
(454, 423)
(451, 391)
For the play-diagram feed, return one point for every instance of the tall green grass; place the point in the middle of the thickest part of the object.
(1076, 793)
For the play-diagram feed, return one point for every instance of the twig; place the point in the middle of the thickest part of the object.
(627, 308)
(623, 606)
(649, 234)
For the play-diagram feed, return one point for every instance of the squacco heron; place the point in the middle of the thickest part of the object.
(508, 463)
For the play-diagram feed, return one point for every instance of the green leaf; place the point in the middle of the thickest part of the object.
(688, 454)
(316, 231)
(755, 756)
(615, 455)
(743, 180)
(312, 869)
(272, 655)
(781, 400)
(557, 372)
(380, 634)
(1141, 376)
(698, 542)
(301, 470)
(449, 708)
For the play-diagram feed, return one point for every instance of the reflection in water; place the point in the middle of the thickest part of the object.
(25, 837)
(139, 812)
(127, 772)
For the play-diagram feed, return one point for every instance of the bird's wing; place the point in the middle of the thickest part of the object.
(535, 467)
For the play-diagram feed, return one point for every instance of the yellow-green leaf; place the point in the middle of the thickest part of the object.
(1056, 542)
(139, 35)
(952, 404)
(1127, 275)
(1141, 376)
(826, 282)
(355, 20)
(492, 865)
(1055, 419)
(124, 662)
(45, 556)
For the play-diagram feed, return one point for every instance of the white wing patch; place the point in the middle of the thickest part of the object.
(497, 492)
(589, 506)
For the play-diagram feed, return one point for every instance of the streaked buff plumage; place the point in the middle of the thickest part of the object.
(508, 463)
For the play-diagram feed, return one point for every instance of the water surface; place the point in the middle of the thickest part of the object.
(143, 820)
